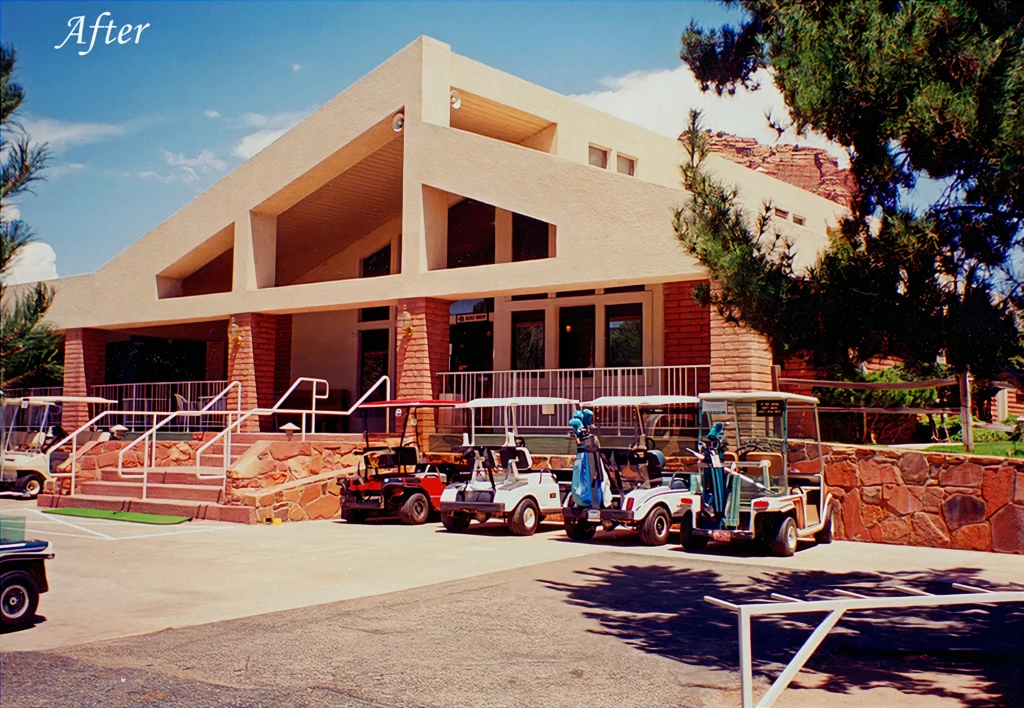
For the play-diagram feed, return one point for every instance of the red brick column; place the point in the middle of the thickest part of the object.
(687, 330)
(421, 351)
(85, 362)
(283, 355)
(252, 353)
(740, 358)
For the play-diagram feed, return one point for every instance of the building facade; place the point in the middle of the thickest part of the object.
(454, 227)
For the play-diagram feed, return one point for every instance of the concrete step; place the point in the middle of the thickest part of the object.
(195, 510)
(133, 490)
(212, 476)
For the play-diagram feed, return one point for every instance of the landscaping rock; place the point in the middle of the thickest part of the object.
(873, 472)
(928, 530)
(961, 510)
(871, 495)
(997, 489)
(324, 508)
(975, 537)
(1008, 529)
(900, 501)
(914, 468)
(966, 474)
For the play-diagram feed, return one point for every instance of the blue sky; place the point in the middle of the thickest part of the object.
(129, 124)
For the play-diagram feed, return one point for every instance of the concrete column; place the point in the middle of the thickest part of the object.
(85, 361)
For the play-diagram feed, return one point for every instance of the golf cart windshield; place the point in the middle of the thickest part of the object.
(754, 432)
(386, 457)
(25, 422)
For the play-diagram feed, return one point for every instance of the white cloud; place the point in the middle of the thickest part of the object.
(150, 174)
(271, 127)
(61, 134)
(296, 67)
(211, 114)
(660, 100)
(9, 212)
(64, 169)
(254, 142)
(35, 261)
(191, 167)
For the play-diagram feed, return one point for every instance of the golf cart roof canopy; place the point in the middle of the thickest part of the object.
(53, 400)
(740, 396)
(411, 403)
(641, 401)
(518, 401)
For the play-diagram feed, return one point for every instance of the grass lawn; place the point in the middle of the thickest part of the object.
(992, 449)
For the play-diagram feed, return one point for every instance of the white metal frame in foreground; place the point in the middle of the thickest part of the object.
(836, 607)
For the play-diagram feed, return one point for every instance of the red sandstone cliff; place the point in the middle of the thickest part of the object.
(809, 168)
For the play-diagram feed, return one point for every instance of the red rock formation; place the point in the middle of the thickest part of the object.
(809, 168)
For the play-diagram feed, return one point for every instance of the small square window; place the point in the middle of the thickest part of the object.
(599, 157)
(625, 165)
(799, 220)
(781, 213)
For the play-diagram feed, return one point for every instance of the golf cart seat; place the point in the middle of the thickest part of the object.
(774, 460)
(519, 455)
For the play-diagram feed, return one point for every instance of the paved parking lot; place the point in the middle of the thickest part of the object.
(324, 613)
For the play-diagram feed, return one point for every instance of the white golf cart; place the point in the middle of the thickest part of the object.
(748, 487)
(628, 484)
(501, 483)
(32, 442)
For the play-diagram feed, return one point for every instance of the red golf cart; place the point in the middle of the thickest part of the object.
(397, 480)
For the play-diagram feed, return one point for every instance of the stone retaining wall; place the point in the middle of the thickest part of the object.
(926, 499)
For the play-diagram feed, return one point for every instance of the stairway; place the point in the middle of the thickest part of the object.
(177, 491)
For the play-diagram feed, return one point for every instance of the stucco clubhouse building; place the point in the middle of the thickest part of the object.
(460, 229)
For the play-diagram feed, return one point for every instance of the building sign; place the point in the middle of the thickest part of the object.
(472, 317)
(769, 409)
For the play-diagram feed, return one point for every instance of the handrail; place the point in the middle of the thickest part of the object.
(149, 450)
(225, 435)
(73, 438)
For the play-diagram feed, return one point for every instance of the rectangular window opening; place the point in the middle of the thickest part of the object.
(375, 314)
(624, 335)
(576, 330)
(376, 264)
(781, 213)
(470, 234)
(528, 340)
(799, 220)
(625, 165)
(529, 238)
(598, 157)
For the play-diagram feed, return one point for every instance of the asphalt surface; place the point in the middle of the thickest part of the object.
(613, 628)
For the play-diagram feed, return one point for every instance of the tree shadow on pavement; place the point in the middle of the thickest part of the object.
(661, 610)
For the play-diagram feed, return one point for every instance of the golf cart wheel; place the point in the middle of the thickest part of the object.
(784, 543)
(579, 530)
(19, 598)
(30, 484)
(655, 528)
(415, 510)
(455, 524)
(689, 541)
(825, 535)
(525, 518)
(353, 516)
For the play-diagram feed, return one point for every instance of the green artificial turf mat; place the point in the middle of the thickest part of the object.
(132, 516)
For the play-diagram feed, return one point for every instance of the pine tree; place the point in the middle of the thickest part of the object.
(29, 347)
(910, 89)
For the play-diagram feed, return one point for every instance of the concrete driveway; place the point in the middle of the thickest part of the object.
(325, 613)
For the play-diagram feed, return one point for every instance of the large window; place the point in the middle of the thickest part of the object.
(529, 238)
(624, 335)
(470, 234)
(528, 340)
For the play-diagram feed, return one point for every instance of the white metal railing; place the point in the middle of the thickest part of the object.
(307, 415)
(846, 600)
(577, 384)
(215, 407)
(144, 399)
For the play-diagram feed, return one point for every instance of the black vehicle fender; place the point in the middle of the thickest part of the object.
(36, 567)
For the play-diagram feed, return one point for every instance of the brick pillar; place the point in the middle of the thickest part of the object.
(740, 358)
(282, 355)
(421, 352)
(687, 331)
(85, 362)
(252, 349)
